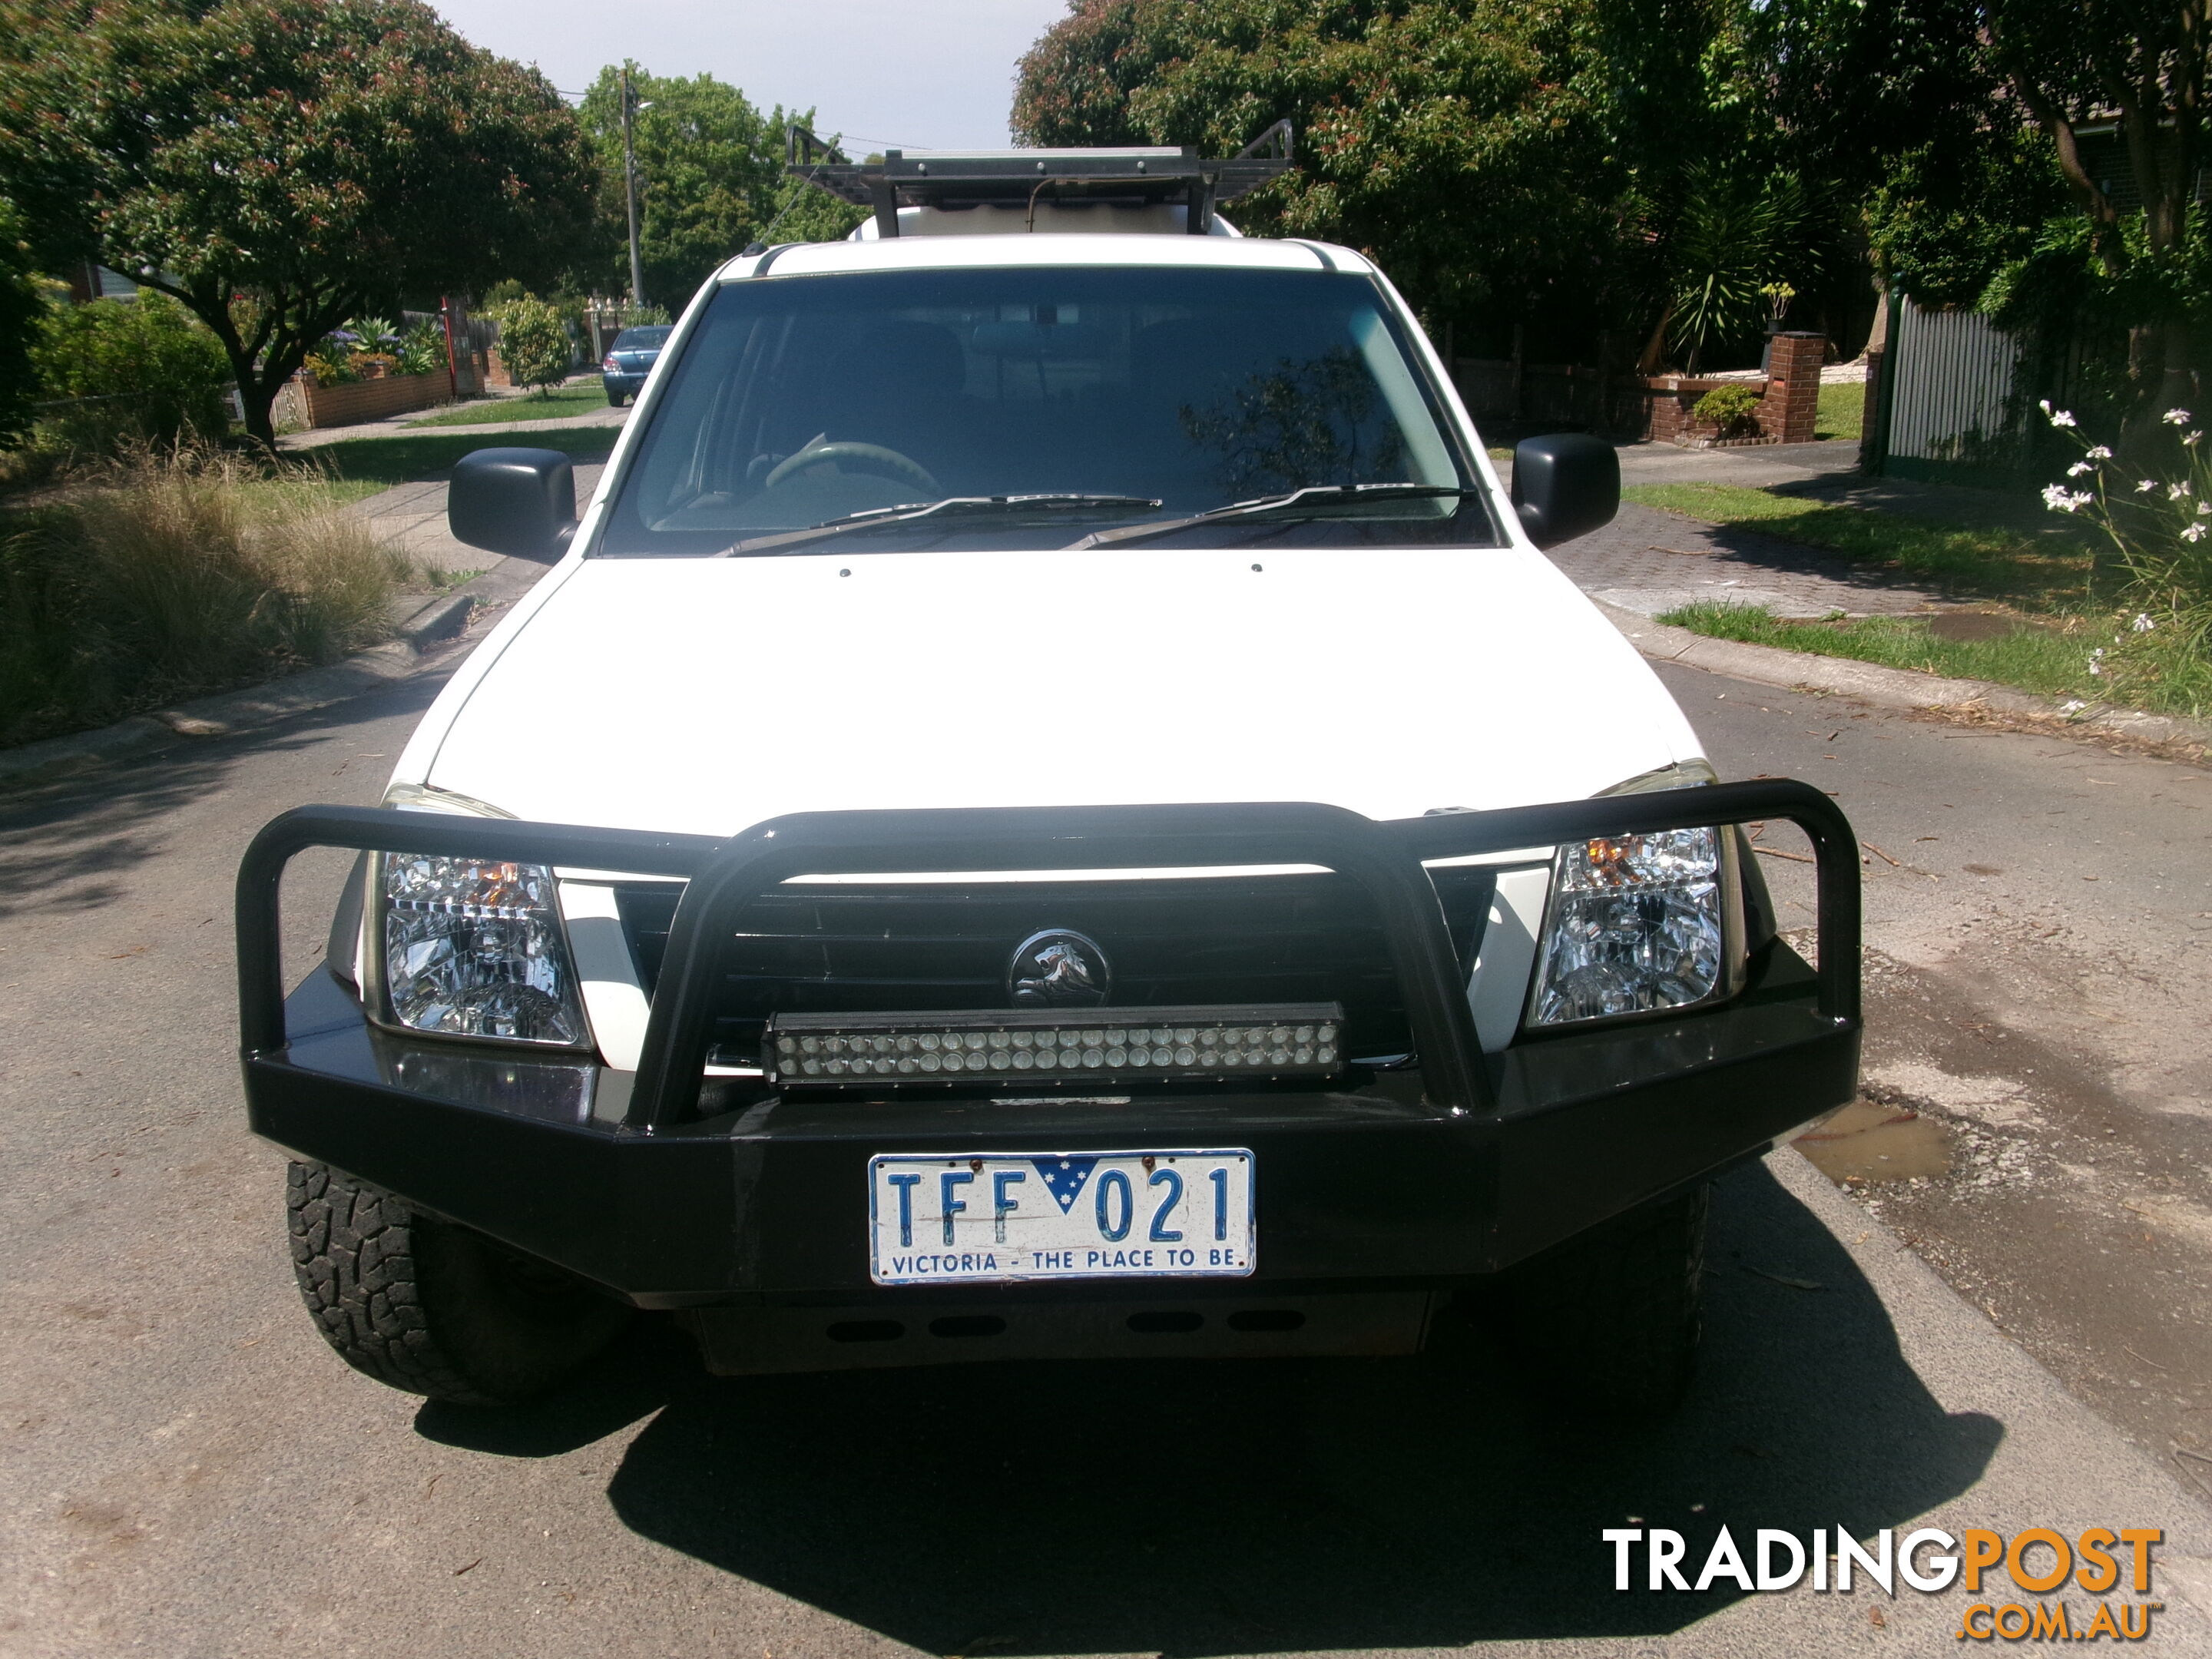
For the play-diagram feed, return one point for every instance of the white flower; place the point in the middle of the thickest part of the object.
(2177, 492)
(2204, 508)
(2143, 624)
(2098, 452)
(2072, 706)
(2097, 661)
(2192, 438)
(2172, 417)
(2146, 486)
(2059, 498)
(2078, 469)
(2060, 417)
(2193, 533)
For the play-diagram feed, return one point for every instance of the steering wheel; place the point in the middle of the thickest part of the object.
(871, 458)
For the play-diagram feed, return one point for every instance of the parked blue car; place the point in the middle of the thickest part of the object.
(629, 360)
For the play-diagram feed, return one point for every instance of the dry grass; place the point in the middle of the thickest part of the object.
(161, 575)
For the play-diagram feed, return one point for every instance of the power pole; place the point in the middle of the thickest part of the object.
(629, 186)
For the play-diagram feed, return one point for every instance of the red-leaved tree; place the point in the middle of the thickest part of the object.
(275, 164)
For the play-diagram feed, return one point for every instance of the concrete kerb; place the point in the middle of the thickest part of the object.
(411, 651)
(1893, 688)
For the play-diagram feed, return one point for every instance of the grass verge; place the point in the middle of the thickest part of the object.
(578, 398)
(2072, 646)
(379, 462)
(2008, 564)
(2052, 661)
(1843, 410)
(2082, 657)
(165, 576)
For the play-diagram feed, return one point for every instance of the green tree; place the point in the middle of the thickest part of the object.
(804, 214)
(1981, 188)
(279, 165)
(2071, 62)
(1950, 215)
(533, 344)
(1507, 161)
(710, 178)
(1852, 85)
(162, 367)
(23, 309)
(1462, 143)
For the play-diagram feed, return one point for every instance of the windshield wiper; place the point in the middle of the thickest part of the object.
(1314, 502)
(1044, 508)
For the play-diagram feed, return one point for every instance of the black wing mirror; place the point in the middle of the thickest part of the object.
(1564, 486)
(517, 501)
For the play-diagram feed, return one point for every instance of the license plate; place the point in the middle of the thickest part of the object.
(938, 1219)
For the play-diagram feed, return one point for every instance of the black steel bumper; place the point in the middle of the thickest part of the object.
(655, 1187)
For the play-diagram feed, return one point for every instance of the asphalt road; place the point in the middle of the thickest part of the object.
(186, 1470)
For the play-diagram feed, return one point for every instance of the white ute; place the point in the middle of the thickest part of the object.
(1059, 809)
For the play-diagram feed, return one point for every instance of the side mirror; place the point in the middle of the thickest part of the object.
(1564, 486)
(517, 501)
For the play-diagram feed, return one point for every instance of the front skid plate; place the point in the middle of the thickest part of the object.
(755, 1340)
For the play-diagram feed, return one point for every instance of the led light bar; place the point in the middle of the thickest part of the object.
(1260, 1041)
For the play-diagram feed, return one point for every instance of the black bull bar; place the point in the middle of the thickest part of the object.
(1383, 857)
(1490, 1158)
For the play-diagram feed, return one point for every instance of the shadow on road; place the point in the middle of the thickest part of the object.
(1183, 1508)
(69, 843)
(1647, 547)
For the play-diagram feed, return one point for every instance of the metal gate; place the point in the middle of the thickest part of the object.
(1950, 399)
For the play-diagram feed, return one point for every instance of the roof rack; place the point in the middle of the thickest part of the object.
(948, 180)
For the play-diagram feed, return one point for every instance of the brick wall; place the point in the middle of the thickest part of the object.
(1661, 407)
(1791, 410)
(353, 402)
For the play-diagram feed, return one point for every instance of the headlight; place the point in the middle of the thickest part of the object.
(1635, 923)
(474, 947)
(1638, 923)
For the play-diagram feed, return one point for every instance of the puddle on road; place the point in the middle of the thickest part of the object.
(1869, 1142)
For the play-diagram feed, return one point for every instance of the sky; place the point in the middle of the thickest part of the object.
(916, 73)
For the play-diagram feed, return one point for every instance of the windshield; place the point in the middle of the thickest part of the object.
(805, 399)
(641, 339)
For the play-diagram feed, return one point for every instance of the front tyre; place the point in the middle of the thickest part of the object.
(433, 1308)
(1609, 1322)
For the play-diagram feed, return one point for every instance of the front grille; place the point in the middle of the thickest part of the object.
(817, 948)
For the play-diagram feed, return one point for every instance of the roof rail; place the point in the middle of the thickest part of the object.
(945, 178)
